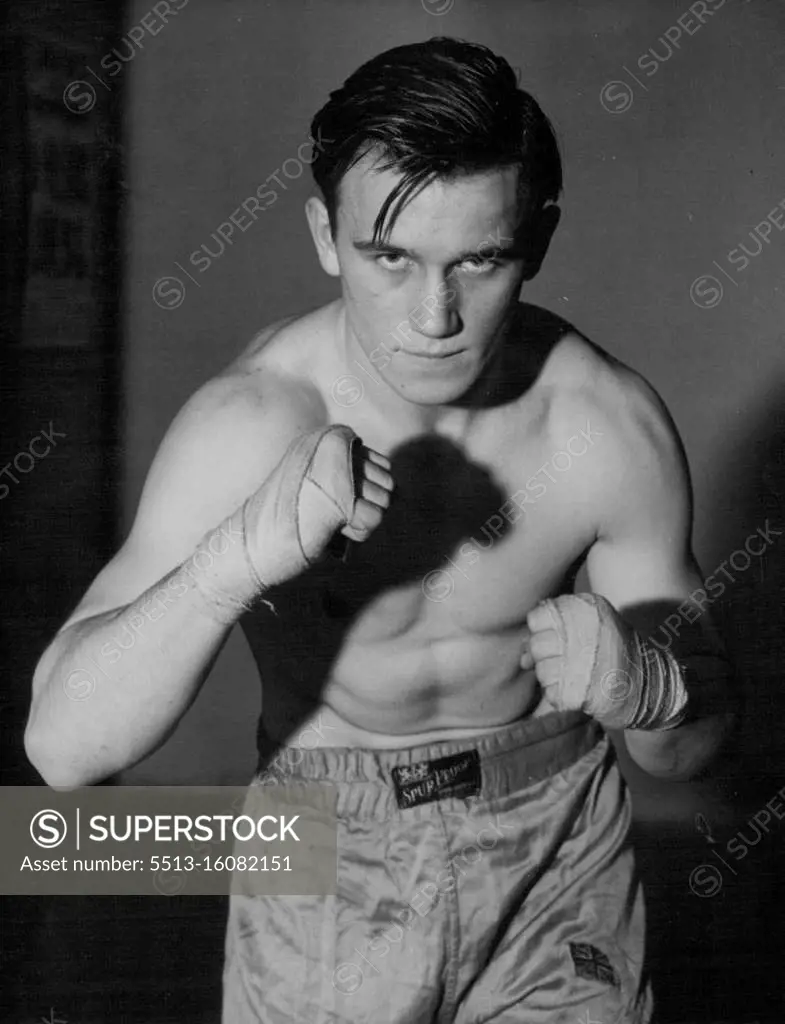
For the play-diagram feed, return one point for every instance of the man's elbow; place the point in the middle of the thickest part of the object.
(682, 754)
(58, 773)
(679, 770)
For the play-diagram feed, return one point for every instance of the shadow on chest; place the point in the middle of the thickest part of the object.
(441, 498)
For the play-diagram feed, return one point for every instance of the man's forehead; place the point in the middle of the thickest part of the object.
(464, 204)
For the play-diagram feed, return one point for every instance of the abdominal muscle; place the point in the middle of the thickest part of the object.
(406, 692)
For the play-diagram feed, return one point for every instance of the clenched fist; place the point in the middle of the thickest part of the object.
(327, 481)
(587, 658)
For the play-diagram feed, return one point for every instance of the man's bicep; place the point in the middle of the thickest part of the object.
(647, 582)
(642, 560)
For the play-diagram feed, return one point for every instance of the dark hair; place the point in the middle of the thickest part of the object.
(436, 109)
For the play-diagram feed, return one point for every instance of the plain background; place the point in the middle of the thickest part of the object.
(654, 195)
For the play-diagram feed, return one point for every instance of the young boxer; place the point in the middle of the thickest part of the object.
(475, 452)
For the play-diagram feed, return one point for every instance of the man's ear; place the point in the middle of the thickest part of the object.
(539, 235)
(321, 232)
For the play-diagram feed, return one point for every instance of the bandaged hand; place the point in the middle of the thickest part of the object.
(326, 482)
(310, 495)
(587, 658)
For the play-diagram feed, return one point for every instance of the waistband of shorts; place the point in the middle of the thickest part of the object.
(510, 757)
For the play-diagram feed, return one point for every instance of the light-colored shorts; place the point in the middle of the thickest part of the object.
(478, 880)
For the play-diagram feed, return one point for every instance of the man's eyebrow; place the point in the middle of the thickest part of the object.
(368, 245)
(487, 249)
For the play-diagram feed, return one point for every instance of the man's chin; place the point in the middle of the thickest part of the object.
(433, 391)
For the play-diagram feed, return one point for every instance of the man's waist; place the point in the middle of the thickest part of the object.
(494, 762)
(376, 728)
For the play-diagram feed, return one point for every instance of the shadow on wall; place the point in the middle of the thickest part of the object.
(751, 612)
(713, 883)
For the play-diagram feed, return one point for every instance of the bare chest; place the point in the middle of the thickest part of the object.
(475, 545)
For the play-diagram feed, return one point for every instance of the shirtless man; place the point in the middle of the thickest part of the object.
(458, 689)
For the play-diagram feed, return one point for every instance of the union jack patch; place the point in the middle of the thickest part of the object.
(592, 963)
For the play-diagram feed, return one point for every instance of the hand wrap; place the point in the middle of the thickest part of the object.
(610, 672)
(285, 525)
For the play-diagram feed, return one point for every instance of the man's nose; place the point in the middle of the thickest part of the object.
(437, 314)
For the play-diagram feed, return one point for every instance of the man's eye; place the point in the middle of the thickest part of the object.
(478, 265)
(391, 261)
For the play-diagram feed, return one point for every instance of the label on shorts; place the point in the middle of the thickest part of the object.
(423, 781)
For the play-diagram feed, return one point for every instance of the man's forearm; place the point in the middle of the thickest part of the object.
(681, 753)
(111, 688)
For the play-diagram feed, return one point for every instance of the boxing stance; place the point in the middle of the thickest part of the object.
(476, 453)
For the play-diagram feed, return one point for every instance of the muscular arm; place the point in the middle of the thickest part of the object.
(643, 564)
(128, 663)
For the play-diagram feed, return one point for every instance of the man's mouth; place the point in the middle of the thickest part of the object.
(434, 354)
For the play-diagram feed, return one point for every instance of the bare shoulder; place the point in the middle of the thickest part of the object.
(291, 349)
(232, 432)
(579, 371)
(234, 429)
(640, 456)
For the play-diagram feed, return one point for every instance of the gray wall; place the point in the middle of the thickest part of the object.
(655, 194)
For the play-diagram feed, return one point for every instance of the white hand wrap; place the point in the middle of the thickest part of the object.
(284, 526)
(613, 675)
(312, 498)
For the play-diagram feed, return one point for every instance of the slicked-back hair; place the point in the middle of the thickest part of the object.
(437, 109)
